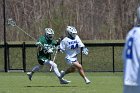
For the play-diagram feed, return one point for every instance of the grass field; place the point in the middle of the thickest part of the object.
(102, 82)
(99, 59)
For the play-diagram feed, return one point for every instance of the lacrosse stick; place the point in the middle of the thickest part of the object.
(59, 40)
(11, 22)
(54, 59)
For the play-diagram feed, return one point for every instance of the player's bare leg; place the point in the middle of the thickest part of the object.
(71, 69)
(81, 71)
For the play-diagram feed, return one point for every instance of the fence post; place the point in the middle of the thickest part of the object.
(81, 57)
(8, 58)
(24, 56)
(113, 59)
(5, 44)
(5, 57)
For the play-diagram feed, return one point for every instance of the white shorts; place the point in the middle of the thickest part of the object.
(70, 60)
(131, 89)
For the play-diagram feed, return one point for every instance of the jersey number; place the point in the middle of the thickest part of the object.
(129, 48)
(74, 46)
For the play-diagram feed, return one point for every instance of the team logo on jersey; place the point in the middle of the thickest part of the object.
(47, 46)
(73, 44)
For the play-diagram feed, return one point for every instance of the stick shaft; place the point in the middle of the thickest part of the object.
(25, 33)
(54, 59)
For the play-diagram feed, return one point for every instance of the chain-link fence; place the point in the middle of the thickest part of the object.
(102, 57)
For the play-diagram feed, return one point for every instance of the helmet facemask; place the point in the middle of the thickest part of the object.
(49, 36)
(72, 35)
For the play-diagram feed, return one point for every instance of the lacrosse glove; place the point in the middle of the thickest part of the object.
(85, 51)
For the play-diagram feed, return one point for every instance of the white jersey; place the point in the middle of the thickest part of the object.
(131, 57)
(71, 46)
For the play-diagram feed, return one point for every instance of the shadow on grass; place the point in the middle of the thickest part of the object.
(49, 86)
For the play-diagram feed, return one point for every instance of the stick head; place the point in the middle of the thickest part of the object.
(11, 22)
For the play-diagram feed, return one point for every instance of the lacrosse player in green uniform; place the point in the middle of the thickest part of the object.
(46, 45)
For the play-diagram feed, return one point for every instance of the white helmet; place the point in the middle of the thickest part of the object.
(137, 19)
(49, 33)
(138, 16)
(71, 31)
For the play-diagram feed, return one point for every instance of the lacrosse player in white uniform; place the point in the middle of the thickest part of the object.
(46, 46)
(131, 57)
(71, 46)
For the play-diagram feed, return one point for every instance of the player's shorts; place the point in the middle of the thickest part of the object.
(131, 89)
(42, 61)
(70, 60)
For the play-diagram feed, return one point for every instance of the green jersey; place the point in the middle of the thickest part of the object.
(47, 44)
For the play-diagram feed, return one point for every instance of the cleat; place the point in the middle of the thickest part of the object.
(87, 81)
(63, 81)
(62, 73)
(66, 80)
(29, 74)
